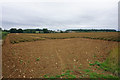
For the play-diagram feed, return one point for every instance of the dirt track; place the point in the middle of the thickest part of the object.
(55, 56)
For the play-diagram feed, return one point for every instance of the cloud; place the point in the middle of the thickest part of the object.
(60, 15)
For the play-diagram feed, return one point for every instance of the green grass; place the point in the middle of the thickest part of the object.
(66, 74)
(3, 34)
(92, 75)
(110, 64)
(96, 75)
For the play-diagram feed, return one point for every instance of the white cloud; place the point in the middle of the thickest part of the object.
(60, 14)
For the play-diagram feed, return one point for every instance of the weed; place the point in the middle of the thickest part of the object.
(91, 64)
(3, 34)
(94, 56)
(58, 76)
(67, 74)
(98, 63)
(79, 67)
(37, 59)
(90, 67)
(80, 77)
(63, 71)
(21, 61)
(80, 72)
(80, 64)
(95, 63)
(45, 76)
(87, 70)
(111, 63)
(28, 61)
(74, 67)
(96, 75)
(52, 77)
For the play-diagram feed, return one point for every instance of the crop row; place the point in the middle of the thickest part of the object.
(14, 38)
(109, 36)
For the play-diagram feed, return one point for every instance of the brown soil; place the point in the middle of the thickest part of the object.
(55, 55)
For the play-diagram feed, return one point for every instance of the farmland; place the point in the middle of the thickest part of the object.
(61, 55)
(109, 36)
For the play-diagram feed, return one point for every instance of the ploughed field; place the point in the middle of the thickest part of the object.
(60, 55)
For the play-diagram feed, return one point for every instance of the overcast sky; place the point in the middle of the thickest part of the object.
(60, 14)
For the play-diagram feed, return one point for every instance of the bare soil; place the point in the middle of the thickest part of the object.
(52, 56)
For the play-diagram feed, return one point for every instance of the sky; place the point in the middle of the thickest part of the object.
(59, 14)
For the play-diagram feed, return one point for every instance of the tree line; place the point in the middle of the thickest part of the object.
(45, 30)
(14, 30)
(91, 30)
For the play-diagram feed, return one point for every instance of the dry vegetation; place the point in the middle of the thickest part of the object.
(109, 36)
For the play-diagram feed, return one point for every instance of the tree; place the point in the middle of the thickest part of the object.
(20, 31)
(61, 31)
(5, 30)
(45, 30)
(37, 30)
(13, 30)
(0, 29)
